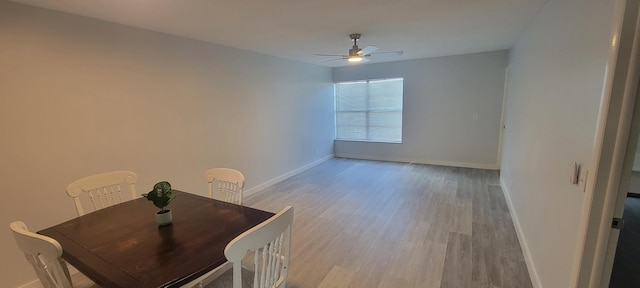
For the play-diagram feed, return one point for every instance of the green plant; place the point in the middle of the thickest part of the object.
(161, 195)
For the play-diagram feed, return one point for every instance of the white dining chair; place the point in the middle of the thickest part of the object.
(225, 184)
(44, 254)
(270, 242)
(102, 190)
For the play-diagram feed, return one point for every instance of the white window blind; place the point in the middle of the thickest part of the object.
(369, 110)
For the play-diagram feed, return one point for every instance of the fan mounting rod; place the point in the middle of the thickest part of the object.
(354, 50)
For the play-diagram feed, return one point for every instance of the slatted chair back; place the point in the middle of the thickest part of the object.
(228, 185)
(102, 190)
(270, 242)
(44, 254)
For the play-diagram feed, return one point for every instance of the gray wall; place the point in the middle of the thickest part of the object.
(80, 96)
(555, 88)
(441, 97)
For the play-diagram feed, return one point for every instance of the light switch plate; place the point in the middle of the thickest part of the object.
(575, 174)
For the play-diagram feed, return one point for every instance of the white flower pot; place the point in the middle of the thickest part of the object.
(164, 218)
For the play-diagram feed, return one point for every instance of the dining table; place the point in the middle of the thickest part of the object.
(123, 246)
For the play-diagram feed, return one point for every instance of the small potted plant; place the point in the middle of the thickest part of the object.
(161, 196)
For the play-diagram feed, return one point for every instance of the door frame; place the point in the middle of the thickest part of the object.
(596, 246)
(621, 195)
(503, 117)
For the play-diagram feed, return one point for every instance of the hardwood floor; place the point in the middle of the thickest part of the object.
(384, 224)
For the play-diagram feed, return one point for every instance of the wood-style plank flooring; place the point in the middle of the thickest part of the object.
(384, 224)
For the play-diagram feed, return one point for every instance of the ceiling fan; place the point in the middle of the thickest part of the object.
(357, 55)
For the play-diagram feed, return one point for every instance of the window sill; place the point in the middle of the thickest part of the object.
(368, 141)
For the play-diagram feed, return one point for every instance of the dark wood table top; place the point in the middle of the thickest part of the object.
(123, 246)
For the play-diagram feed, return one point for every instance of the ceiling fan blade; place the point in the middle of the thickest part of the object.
(367, 50)
(364, 60)
(390, 53)
(332, 55)
(331, 60)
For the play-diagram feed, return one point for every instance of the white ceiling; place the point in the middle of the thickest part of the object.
(298, 29)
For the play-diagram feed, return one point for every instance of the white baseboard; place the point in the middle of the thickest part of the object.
(37, 284)
(422, 161)
(259, 187)
(533, 273)
(32, 284)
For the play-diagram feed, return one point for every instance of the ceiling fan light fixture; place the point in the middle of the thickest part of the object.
(355, 58)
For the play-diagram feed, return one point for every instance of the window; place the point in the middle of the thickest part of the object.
(369, 110)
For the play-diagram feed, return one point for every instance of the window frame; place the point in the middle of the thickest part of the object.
(368, 110)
